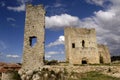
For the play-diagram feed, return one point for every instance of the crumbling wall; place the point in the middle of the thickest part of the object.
(104, 54)
(67, 72)
(81, 46)
(8, 75)
(33, 54)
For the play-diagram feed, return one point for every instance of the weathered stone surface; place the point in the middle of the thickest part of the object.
(104, 54)
(29, 73)
(33, 54)
(8, 75)
(67, 72)
(81, 46)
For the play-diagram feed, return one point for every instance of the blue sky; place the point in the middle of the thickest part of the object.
(103, 15)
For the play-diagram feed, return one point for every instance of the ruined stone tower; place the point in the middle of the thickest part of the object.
(33, 53)
(104, 54)
(81, 46)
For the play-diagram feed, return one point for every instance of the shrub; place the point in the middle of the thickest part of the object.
(52, 62)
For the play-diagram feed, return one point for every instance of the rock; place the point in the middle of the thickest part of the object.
(45, 75)
(29, 73)
(28, 77)
(23, 77)
(36, 77)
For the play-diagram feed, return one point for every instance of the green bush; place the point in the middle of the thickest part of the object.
(52, 62)
(16, 76)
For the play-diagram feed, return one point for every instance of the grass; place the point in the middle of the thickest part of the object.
(97, 76)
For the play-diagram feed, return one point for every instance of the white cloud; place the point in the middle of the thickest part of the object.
(97, 2)
(12, 56)
(10, 19)
(59, 41)
(104, 15)
(61, 21)
(54, 52)
(47, 56)
(51, 54)
(21, 7)
(18, 8)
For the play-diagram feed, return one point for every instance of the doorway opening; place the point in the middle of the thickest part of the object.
(101, 59)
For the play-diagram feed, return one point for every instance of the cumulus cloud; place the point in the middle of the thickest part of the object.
(59, 41)
(61, 21)
(18, 8)
(12, 56)
(105, 15)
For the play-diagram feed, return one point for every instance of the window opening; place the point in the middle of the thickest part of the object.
(84, 62)
(33, 41)
(73, 45)
(83, 43)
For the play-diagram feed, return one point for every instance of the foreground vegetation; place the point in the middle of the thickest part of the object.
(96, 76)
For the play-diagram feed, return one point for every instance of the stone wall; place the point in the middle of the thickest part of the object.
(33, 52)
(81, 46)
(8, 75)
(104, 54)
(66, 72)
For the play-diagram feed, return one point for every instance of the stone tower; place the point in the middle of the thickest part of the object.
(81, 46)
(33, 51)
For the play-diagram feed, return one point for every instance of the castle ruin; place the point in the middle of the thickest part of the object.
(82, 48)
(80, 43)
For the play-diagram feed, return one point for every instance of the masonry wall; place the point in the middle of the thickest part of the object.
(81, 45)
(104, 54)
(33, 54)
(8, 75)
(67, 72)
